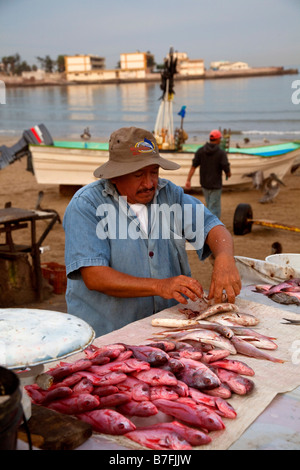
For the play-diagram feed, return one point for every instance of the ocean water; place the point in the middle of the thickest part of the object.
(260, 109)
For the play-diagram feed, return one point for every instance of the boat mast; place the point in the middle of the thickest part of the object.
(164, 128)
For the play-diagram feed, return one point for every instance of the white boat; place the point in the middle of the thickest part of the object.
(73, 163)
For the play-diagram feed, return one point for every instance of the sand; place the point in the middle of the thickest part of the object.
(19, 187)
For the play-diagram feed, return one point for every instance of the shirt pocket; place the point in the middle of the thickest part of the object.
(180, 247)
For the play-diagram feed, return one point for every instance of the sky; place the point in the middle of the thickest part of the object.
(260, 32)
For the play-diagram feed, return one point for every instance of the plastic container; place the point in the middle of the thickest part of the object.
(291, 260)
(11, 411)
(56, 276)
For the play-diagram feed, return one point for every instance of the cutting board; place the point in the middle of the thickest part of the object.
(50, 430)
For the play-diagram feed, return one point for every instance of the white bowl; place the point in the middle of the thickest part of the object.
(291, 260)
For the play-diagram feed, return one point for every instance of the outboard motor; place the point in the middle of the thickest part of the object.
(38, 135)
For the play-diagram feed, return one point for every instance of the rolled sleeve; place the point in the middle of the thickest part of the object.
(83, 246)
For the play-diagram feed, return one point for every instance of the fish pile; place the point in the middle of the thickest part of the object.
(222, 326)
(287, 292)
(183, 378)
(186, 387)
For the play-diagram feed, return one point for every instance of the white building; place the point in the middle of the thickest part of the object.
(88, 68)
(84, 68)
(186, 66)
(226, 65)
(83, 63)
(38, 74)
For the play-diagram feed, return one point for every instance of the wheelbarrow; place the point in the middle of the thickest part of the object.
(243, 221)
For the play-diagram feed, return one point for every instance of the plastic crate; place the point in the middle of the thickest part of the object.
(56, 276)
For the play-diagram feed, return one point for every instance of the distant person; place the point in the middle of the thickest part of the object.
(212, 161)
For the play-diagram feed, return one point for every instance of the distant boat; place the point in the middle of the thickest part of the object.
(73, 163)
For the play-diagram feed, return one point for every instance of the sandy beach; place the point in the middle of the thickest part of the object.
(19, 187)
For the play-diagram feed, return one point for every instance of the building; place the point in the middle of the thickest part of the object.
(137, 61)
(87, 68)
(34, 75)
(83, 63)
(186, 66)
(226, 65)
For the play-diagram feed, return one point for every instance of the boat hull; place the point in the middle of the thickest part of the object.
(74, 166)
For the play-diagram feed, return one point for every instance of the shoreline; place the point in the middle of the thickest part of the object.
(9, 140)
(13, 82)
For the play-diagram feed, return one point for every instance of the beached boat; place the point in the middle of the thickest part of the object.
(73, 163)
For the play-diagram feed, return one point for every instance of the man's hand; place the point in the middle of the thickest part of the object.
(187, 184)
(111, 282)
(179, 288)
(225, 277)
(225, 274)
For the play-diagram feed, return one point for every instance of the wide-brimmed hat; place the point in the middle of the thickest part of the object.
(131, 149)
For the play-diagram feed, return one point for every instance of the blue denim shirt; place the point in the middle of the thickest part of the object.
(101, 230)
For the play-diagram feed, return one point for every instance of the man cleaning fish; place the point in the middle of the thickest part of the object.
(125, 239)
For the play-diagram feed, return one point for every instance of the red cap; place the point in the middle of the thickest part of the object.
(215, 135)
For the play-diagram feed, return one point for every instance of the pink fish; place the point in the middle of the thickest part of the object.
(64, 369)
(107, 421)
(156, 376)
(221, 406)
(291, 285)
(159, 439)
(161, 391)
(181, 389)
(124, 355)
(237, 383)
(187, 353)
(225, 409)
(110, 350)
(84, 386)
(198, 375)
(244, 347)
(174, 365)
(195, 437)
(105, 390)
(138, 408)
(139, 390)
(35, 392)
(68, 381)
(214, 355)
(235, 366)
(190, 413)
(127, 366)
(164, 345)
(223, 391)
(74, 405)
(153, 355)
(113, 400)
(111, 378)
(55, 394)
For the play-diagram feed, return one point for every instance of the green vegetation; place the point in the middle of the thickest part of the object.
(14, 65)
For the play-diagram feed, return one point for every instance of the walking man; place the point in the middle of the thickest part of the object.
(212, 161)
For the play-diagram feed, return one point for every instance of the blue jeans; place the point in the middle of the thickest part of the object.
(213, 200)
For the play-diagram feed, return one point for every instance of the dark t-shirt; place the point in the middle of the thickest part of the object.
(212, 161)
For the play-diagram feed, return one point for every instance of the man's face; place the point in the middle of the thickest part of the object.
(140, 186)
